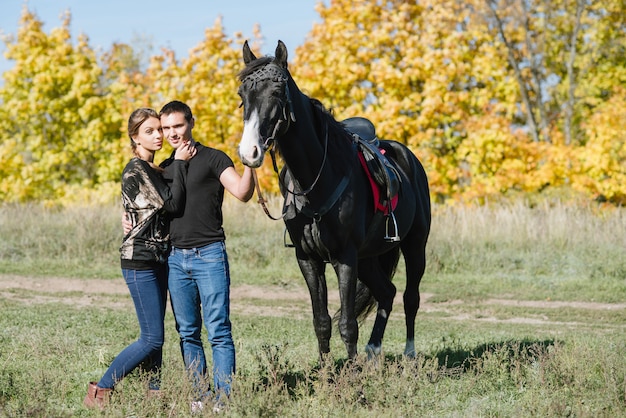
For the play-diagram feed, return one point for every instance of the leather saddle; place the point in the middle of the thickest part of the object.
(382, 171)
(363, 128)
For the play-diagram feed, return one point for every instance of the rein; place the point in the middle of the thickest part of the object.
(261, 201)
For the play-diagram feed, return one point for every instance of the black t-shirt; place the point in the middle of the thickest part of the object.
(201, 221)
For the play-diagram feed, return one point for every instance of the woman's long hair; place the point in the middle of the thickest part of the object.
(136, 119)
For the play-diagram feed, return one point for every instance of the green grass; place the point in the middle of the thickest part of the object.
(74, 242)
(523, 315)
(465, 368)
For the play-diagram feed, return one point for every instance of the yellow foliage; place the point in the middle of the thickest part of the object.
(602, 159)
(433, 75)
(43, 115)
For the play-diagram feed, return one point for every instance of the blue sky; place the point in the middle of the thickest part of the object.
(178, 25)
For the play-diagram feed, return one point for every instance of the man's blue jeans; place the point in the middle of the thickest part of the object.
(148, 288)
(200, 277)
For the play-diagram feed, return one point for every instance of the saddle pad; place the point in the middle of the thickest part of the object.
(378, 205)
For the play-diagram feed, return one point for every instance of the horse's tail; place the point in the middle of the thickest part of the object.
(364, 304)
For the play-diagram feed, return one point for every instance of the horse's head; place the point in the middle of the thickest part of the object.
(266, 103)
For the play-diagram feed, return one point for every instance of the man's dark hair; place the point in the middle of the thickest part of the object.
(177, 106)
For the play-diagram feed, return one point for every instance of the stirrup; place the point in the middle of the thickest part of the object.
(388, 237)
(285, 243)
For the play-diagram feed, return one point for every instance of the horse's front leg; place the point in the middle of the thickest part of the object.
(347, 272)
(313, 272)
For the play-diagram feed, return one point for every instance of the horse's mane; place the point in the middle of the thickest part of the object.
(325, 115)
(339, 140)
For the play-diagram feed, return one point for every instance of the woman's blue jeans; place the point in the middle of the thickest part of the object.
(148, 288)
(199, 285)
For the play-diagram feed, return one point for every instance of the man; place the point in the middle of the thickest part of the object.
(199, 276)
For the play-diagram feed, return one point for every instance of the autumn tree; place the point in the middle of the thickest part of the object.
(422, 72)
(496, 97)
(571, 56)
(486, 92)
(207, 81)
(55, 122)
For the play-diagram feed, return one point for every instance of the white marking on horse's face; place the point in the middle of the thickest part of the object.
(251, 149)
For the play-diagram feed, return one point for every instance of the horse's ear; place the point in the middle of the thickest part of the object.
(248, 56)
(281, 54)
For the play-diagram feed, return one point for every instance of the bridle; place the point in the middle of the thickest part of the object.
(279, 75)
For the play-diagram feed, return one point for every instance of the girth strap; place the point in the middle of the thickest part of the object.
(332, 199)
(292, 200)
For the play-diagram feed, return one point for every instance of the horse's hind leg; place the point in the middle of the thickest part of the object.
(376, 273)
(415, 261)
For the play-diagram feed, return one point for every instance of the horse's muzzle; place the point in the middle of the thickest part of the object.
(255, 162)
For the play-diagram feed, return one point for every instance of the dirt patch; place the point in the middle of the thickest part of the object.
(63, 284)
(557, 304)
(62, 287)
(90, 292)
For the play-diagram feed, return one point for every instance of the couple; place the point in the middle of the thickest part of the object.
(180, 203)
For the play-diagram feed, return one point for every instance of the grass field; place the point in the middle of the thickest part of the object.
(523, 314)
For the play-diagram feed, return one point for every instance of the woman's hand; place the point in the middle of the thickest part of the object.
(186, 151)
(126, 224)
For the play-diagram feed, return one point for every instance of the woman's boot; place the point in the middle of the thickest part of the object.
(97, 397)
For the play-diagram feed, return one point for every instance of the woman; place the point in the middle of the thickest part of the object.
(149, 203)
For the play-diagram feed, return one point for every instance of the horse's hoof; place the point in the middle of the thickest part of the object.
(373, 351)
(409, 349)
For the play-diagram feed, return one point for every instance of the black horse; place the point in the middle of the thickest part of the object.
(329, 206)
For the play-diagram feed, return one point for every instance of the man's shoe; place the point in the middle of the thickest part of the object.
(196, 406)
